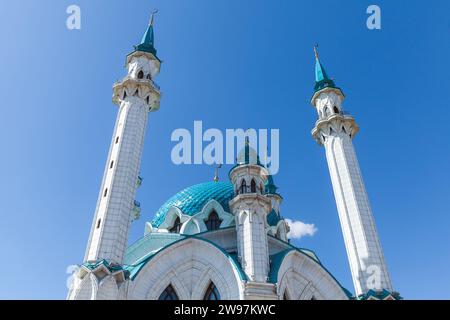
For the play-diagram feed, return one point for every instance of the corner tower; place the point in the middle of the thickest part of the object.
(335, 130)
(136, 95)
(250, 207)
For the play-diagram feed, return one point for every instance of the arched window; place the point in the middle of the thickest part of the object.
(211, 293)
(140, 74)
(243, 186)
(149, 77)
(176, 226)
(213, 222)
(253, 186)
(168, 294)
(335, 109)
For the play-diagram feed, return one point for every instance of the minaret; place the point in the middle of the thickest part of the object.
(335, 130)
(250, 207)
(136, 95)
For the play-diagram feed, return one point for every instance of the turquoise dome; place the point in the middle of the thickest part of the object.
(192, 199)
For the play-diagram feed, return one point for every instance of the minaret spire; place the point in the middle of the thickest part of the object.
(335, 131)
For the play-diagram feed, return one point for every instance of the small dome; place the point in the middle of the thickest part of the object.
(192, 199)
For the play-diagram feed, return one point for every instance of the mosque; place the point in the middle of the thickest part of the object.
(223, 240)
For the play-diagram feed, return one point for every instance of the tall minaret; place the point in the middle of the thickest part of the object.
(136, 95)
(335, 130)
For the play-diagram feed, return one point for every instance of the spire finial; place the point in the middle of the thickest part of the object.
(315, 51)
(152, 18)
(216, 174)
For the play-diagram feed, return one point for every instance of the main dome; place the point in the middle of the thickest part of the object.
(192, 199)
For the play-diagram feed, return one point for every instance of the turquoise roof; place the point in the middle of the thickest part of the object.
(148, 42)
(192, 199)
(148, 249)
(322, 80)
(273, 218)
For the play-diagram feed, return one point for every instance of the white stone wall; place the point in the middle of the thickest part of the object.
(301, 278)
(360, 235)
(112, 220)
(251, 212)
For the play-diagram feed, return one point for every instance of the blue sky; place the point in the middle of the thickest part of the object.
(231, 64)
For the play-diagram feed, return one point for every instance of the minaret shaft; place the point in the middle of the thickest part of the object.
(109, 234)
(363, 247)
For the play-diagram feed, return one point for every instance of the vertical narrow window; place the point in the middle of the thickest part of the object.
(213, 222)
(98, 223)
(117, 139)
(335, 109)
(211, 293)
(106, 192)
(140, 75)
(243, 186)
(253, 186)
(168, 294)
(111, 165)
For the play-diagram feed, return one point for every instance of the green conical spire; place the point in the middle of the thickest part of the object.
(148, 40)
(322, 79)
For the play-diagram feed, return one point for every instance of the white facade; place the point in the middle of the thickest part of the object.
(218, 240)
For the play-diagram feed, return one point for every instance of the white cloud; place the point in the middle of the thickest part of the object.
(300, 229)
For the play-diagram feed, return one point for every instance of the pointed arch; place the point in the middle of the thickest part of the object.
(211, 292)
(213, 222)
(253, 186)
(335, 109)
(243, 186)
(169, 294)
(140, 74)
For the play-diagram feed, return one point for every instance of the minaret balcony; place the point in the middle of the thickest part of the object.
(130, 85)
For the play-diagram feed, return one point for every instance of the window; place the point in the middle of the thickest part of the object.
(106, 192)
(253, 186)
(117, 139)
(285, 296)
(124, 94)
(168, 294)
(243, 187)
(111, 165)
(335, 109)
(176, 226)
(98, 223)
(148, 99)
(140, 75)
(213, 222)
(149, 77)
(211, 293)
